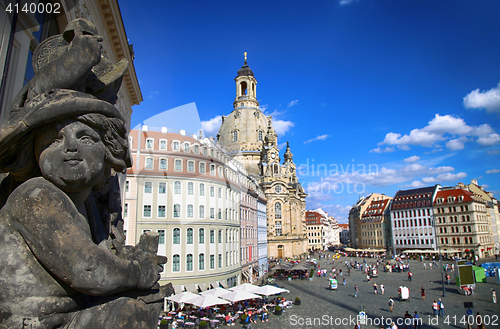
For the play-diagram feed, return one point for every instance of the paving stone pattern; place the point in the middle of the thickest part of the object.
(324, 308)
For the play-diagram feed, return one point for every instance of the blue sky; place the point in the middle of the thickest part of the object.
(405, 92)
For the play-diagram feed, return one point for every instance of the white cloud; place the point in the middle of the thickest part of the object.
(152, 93)
(493, 152)
(384, 150)
(211, 127)
(489, 100)
(492, 171)
(456, 144)
(263, 107)
(318, 138)
(282, 126)
(444, 128)
(450, 176)
(491, 139)
(345, 2)
(292, 103)
(412, 159)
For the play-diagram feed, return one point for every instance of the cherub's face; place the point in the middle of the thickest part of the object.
(70, 155)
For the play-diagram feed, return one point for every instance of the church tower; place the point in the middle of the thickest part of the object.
(242, 131)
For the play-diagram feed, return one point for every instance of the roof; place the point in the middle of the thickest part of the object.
(415, 198)
(245, 70)
(451, 196)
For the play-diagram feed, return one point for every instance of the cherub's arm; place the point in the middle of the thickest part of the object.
(48, 221)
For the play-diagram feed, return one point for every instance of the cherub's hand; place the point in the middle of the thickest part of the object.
(150, 264)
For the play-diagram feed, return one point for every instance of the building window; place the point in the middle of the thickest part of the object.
(161, 211)
(212, 169)
(212, 236)
(149, 163)
(219, 214)
(204, 151)
(235, 136)
(190, 211)
(190, 188)
(191, 166)
(147, 211)
(161, 234)
(186, 147)
(178, 165)
(162, 187)
(212, 262)
(189, 262)
(260, 135)
(212, 191)
(278, 228)
(176, 146)
(149, 143)
(202, 168)
(176, 236)
(220, 236)
(177, 187)
(202, 212)
(212, 213)
(176, 263)
(201, 262)
(220, 260)
(177, 210)
(196, 149)
(189, 236)
(127, 186)
(201, 235)
(227, 259)
(163, 144)
(277, 210)
(202, 189)
(220, 192)
(125, 210)
(163, 164)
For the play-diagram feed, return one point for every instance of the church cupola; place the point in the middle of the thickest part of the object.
(271, 137)
(246, 88)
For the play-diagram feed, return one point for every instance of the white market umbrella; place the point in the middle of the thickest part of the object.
(236, 296)
(207, 301)
(217, 292)
(245, 287)
(183, 297)
(269, 290)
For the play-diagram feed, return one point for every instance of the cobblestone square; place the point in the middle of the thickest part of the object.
(324, 308)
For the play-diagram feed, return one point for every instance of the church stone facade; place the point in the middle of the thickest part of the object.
(249, 137)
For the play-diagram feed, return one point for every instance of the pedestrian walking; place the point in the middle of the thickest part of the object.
(422, 293)
(441, 307)
(344, 281)
(391, 304)
(417, 322)
(375, 288)
(382, 289)
(425, 265)
(493, 296)
(410, 275)
(435, 307)
(356, 290)
(408, 320)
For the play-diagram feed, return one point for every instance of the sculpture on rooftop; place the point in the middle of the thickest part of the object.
(63, 262)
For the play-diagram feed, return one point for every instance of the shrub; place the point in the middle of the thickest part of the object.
(278, 308)
(203, 323)
(297, 299)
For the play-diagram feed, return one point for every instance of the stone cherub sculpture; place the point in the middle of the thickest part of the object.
(63, 262)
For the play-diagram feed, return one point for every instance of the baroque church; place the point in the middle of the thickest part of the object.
(249, 137)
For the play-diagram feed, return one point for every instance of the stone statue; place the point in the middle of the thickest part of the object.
(63, 262)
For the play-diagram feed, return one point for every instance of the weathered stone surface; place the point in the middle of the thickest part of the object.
(63, 262)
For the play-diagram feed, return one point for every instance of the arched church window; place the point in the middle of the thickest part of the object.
(235, 136)
(243, 88)
(275, 168)
(260, 135)
(277, 210)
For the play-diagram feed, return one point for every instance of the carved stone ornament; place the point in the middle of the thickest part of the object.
(64, 263)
